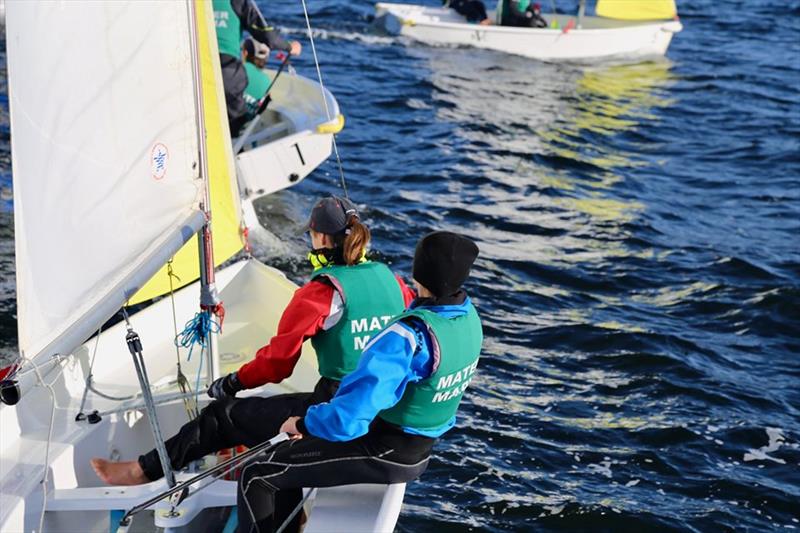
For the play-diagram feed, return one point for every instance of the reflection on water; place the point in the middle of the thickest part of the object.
(548, 141)
(556, 146)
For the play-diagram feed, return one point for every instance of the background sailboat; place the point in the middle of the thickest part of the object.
(290, 139)
(108, 147)
(622, 29)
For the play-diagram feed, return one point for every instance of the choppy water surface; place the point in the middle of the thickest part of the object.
(639, 277)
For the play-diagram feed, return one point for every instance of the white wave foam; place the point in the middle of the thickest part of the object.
(776, 440)
(325, 34)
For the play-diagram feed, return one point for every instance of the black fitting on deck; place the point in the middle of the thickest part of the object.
(9, 392)
(134, 344)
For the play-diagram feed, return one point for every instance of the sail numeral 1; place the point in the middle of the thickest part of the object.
(299, 153)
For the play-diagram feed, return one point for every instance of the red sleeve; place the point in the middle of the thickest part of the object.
(302, 318)
(408, 293)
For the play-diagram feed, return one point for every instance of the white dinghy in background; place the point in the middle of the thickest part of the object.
(113, 178)
(570, 38)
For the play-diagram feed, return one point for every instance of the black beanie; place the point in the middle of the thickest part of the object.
(442, 261)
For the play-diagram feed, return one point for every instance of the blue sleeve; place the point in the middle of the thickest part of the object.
(386, 366)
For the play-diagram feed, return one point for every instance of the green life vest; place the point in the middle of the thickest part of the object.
(432, 402)
(229, 28)
(257, 85)
(504, 12)
(371, 298)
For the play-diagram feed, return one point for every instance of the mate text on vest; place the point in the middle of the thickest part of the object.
(453, 385)
(368, 325)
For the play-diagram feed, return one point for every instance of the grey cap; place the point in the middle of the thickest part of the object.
(330, 215)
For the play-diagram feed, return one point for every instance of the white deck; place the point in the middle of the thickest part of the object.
(254, 296)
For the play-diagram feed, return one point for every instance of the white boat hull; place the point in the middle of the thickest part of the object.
(254, 297)
(597, 39)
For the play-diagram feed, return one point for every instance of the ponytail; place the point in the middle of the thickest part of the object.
(355, 242)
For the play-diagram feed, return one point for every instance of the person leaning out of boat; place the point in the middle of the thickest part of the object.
(523, 13)
(383, 421)
(254, 56)
(231, 17)
(473, 10)
(347, 300)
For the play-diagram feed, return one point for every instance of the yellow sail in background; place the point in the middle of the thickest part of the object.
(637, 9)
(222, 175)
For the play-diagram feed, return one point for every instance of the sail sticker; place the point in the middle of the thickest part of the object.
(159, 157)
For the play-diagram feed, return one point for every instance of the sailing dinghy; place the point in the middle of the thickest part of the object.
(286, 141)
(115, 182)
(622, 29)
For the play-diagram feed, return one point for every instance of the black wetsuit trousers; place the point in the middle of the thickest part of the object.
(473, 10)
(523, 21)
(234, 80)
(270, 486)
(233, 422)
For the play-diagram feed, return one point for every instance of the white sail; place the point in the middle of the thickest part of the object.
(105, 158)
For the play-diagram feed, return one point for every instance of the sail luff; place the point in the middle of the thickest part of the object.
(194, 13)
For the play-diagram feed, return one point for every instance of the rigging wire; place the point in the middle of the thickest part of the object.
(45, 478)
(53, 406)
(89, 375)
(324, 99)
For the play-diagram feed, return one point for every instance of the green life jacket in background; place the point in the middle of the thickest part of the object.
(229, 28)
(430, 403)
(257, 85)
(372, 297)
(504, 9)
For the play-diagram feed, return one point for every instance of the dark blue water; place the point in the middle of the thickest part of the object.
(639, 277)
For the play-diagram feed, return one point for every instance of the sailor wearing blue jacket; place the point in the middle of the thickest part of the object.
(382, 423)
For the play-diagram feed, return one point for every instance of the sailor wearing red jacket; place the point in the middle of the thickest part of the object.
(347, 300)
(381, 425)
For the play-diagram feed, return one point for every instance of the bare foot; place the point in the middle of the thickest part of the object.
(486, 22)
(122, 473)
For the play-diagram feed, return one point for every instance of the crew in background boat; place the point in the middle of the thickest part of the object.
(386, 416)
(231, 17)
(473, 10)
(255, 55)
(346, 302)
(523, 14)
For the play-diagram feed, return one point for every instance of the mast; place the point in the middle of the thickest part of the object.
(209, 298)
(581, 13)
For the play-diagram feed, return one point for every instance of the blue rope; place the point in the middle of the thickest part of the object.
(196, 332)
(199, 372)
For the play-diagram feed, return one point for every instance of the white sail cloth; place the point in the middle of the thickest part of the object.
(104, 154)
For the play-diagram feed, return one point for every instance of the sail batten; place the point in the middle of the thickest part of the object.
(104, 156)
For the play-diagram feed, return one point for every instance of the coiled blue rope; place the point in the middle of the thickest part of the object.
(196, 332)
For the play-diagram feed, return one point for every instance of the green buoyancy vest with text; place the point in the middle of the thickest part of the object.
(372, 298)
(257, 85)
(432, 402)
(229, 28)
